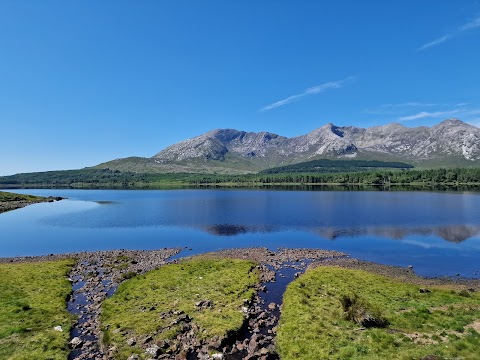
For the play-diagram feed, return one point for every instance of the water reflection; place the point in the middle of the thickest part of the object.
(451, 233)
(232, 230)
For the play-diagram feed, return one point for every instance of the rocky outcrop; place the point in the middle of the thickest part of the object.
(215, 144)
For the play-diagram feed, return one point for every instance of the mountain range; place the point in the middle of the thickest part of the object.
(451, 143)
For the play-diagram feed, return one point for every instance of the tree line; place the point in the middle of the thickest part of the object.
(115, 179)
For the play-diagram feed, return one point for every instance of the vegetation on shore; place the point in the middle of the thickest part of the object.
(115, 179)
(10, 201)
(32, 303)
(8, 196)
(205, 295)
(335, 313)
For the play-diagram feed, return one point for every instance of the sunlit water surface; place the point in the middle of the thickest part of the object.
(437, 233)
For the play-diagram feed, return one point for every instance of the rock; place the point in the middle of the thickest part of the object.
(217, 356)
(253, 344)
(162, 344)
(133, 357)
(183, 318)
(147, 339)
(263, 351)
(131, 342)
(153, 350)
(182, 355)
(76, 343)
(58, 328)
(203, 304)
(215, 342)
(423, 290)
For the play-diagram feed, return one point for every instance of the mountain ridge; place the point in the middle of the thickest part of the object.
(448, 143)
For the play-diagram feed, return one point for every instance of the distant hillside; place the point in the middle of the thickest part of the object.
(325, 165)
(451, 143)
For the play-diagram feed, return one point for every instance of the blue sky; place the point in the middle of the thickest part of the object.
(82, 82)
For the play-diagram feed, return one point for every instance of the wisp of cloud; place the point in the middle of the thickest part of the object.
(310, 91)
(426, 114)
(468, 26)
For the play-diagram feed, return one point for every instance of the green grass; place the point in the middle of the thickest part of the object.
(7, 196)
(32, 303)
(316, 323)
(143, 306)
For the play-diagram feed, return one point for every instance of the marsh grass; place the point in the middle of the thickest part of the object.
(32, 302)
(322, 312)
(151, 304)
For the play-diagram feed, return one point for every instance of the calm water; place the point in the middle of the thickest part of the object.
(437, 233)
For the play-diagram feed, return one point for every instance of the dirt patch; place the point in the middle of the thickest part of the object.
(475, 326)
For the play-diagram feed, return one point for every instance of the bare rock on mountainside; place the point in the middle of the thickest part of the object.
(449, 143)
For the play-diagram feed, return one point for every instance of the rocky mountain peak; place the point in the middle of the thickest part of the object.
(451, 139)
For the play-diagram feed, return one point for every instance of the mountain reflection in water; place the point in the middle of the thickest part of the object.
(451, 233)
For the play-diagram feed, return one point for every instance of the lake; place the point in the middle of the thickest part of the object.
(438, 233)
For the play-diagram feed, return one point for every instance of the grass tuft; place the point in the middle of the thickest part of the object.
(361, 312)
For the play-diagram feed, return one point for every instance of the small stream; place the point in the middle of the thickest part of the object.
(95, 278)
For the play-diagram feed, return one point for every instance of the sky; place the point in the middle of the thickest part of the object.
(84, 82)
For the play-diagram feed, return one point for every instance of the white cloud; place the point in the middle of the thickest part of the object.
(471, 25)
(435, 42)
(426, 114)
(475, 23)
(310, 91)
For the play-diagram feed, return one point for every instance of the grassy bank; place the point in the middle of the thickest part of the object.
(334, 313)
(7, 197)
(32, 303)
(201, 296)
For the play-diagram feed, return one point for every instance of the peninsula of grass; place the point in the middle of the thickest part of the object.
(335, 313)
(32, 303)
(11, 201)
(202, 296)
(8, 196)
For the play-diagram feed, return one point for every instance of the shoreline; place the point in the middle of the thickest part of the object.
(96, 275)
(18, 201)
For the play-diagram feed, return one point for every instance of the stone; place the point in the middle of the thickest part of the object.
(203, 304)
(263, 351)
(153, 350)
(253, 344)
(147, 339)
(272, 306)
(76, 343)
